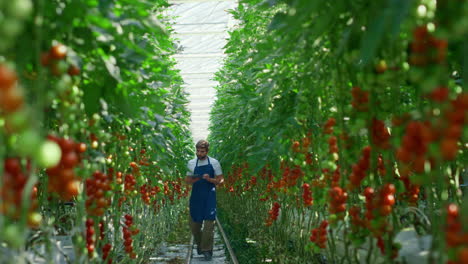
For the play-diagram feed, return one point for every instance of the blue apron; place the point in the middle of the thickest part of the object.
(203, 197)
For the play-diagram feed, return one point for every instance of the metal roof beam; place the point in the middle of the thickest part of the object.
(184, 33)
(197, 73)
(197, 1)
(199, 55)
(202, 23)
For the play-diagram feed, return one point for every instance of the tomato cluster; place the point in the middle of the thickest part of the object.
(290, 177)
(386, 199)
(143, 159)
(456, 237)
(128, 231)
(105, 252)
(135, 167)
(439, 94)
(360, 169)
(62, 178)
(426, 48)
(393, 247)
(303, 146)
(332, 144)
(274, 212)
(415, 145)
(411, 194)
(145, 192)
(455, 116)
(445, 131)
(319, 235)
(118, 177)
(253, 181)
(307, 195)
(356, 220)
(380, 136)
(338, 199)
(90, 237)
(96, 188)
(177, 186)
(328, 127)
(55, 58)
(378, 206)
(102, 230)
(11, 94)
(360, 100)
(167, 191)
(296, 146)
(381, 166)
(129, 184)
(11, 193)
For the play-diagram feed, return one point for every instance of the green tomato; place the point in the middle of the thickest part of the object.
(17, 120)
(28, 142)
(96, 117)
(335, 156)
(64, 84)
(35, 219)
(12, 235)
(10, 28)
(48, 155)
(62, 67)
(20, 8)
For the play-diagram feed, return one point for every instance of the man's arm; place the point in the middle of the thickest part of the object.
(191, 180)
(217, 180)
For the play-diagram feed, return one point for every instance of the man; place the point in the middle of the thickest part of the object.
(204, 173)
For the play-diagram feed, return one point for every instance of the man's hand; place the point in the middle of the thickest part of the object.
(218, 180)
(191, 180)
(206, 177)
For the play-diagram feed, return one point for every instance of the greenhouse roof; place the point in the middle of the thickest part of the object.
(201, 28)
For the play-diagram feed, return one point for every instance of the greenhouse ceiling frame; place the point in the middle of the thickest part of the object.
(201, 28)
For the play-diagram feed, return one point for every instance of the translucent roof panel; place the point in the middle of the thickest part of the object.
(201, 29)
(202, 43)
(198, 64)
(197, 12)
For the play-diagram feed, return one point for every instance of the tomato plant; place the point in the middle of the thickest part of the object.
(364, 105)
(88, 117)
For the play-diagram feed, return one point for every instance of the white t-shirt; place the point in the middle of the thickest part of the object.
(214, 162)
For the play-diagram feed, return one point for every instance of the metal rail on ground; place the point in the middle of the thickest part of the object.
(189, 253)
(226, 242)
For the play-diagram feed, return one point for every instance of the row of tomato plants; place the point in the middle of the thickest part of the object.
(93, 130)
(341, 124)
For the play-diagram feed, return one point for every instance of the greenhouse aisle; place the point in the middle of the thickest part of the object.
(177, 253)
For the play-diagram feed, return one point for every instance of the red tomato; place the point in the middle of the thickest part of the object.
(7, 77)
(58, 52)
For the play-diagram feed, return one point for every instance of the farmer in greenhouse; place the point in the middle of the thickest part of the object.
(204, 173)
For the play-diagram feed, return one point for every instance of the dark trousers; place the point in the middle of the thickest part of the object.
(203, 233)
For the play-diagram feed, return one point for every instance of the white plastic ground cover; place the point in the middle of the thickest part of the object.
(201, 29)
